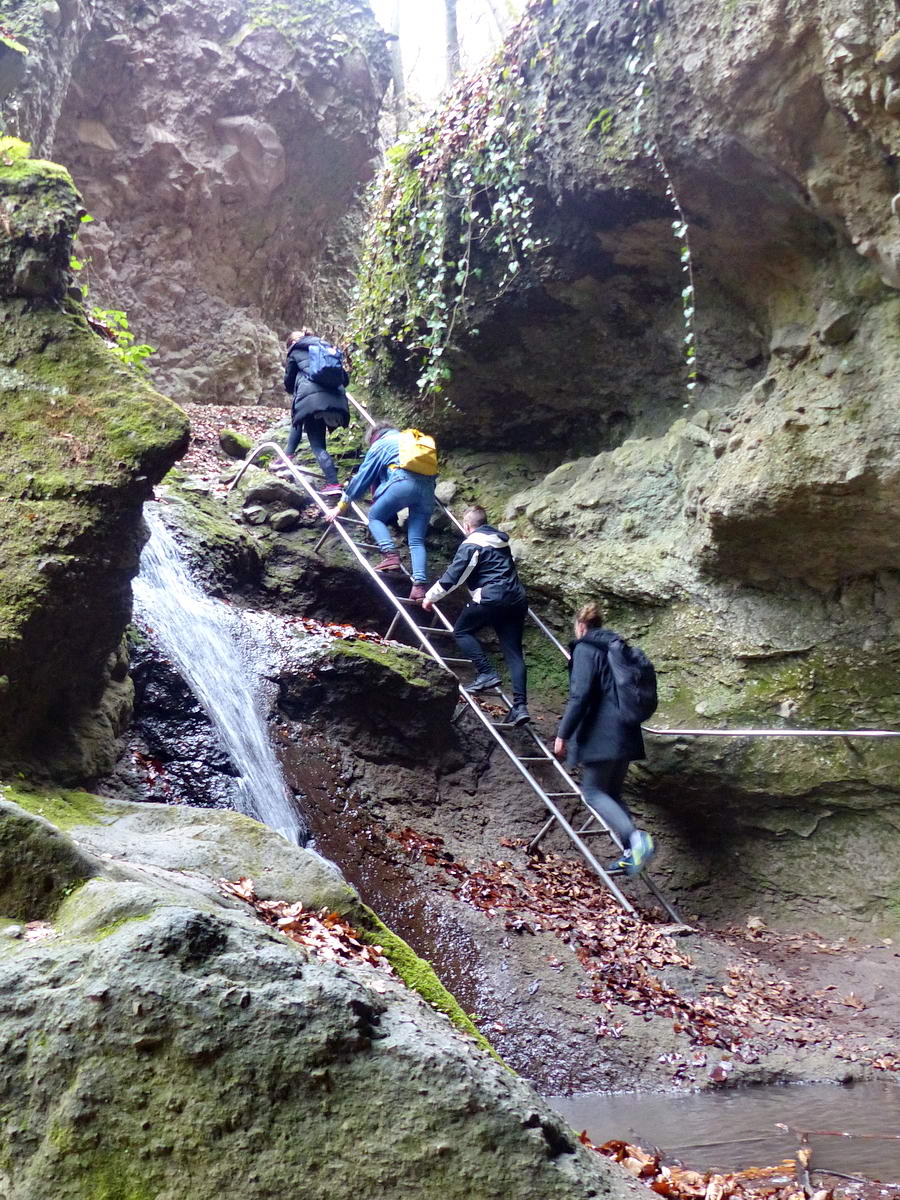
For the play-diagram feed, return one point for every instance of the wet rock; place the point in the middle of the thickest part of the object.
(389, 702)
(892, 101)
(275, 491)
(72, 500)
(284, 519)
(255, 514)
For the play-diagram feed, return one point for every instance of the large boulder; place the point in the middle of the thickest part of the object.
(82, 440)
(172, 1044)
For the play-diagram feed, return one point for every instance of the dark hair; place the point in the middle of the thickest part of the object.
(376, 430)
(591, 616)
(475, 516)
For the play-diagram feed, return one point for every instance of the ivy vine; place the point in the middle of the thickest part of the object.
(452, 214)
(641, 62)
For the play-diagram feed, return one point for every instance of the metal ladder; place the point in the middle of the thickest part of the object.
(557, 792)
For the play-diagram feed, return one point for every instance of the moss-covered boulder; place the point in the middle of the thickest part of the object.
(172, 1043)
(390, 702)
(82, 440)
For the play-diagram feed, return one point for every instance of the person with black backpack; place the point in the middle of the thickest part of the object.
(612, 688)
(484, 562)
(315, 378)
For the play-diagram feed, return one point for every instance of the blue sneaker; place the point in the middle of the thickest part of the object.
(642, 851)
(622, 865)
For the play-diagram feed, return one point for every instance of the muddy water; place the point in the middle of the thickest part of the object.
(733, 1129)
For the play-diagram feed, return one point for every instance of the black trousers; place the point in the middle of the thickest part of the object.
(508, 621)
(316, 432)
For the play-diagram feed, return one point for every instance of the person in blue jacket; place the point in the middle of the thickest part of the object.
(594, 732)
(395, 488)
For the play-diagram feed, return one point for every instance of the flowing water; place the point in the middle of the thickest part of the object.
(735, 1128)
(202, 638)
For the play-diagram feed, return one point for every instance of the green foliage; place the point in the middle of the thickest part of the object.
(602, 122)
(123, 343)
(452, 220)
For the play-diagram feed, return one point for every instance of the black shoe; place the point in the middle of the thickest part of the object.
(517, 715)
(483, 681)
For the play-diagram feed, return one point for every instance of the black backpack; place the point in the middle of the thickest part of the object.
(635, 680)
(325, 366)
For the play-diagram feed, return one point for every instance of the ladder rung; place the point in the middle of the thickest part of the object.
(368, 546)
(352, 521)
(538, 758)
(557, 795)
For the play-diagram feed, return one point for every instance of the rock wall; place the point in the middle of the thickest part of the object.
(745, 528)
(82, 441)
(220, 148)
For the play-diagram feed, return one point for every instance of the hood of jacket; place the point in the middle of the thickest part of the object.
(487, 536)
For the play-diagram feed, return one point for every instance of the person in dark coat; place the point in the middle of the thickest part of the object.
(484, 562)
(594, 733)
(314, 409)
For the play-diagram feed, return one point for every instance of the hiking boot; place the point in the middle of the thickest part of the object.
(642, 850)
(417, 591)
(390, 562)
(331, 489)
(517, 715)
(483, 681)
(622, 866)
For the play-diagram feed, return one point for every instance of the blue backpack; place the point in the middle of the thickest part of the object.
(325, 366)
(635, 681)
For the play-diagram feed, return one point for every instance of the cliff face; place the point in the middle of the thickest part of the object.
(745, 529)
(220, 147)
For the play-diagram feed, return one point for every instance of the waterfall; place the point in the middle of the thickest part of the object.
(201, 637)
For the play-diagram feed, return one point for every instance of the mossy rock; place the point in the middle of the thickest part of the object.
(83, 438)
(390, 701)
(234, 444)
(37, 865)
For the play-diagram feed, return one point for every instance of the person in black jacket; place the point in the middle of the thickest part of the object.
(314, 409)
(594, 733)
(484, 561)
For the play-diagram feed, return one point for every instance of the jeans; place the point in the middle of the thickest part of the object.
(602, 783)
(316, 432)
(508, 621)
(405, 489)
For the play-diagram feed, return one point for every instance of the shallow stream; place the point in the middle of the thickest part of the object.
(735, 1128)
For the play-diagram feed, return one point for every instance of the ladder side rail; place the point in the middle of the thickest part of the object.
(557, 814)
(429, 648)
(544, 628)
(349, 542)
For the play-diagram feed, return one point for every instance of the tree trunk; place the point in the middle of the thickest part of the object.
(399, 81)
(453, 63)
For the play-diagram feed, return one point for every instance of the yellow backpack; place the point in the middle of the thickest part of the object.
(418, 453)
